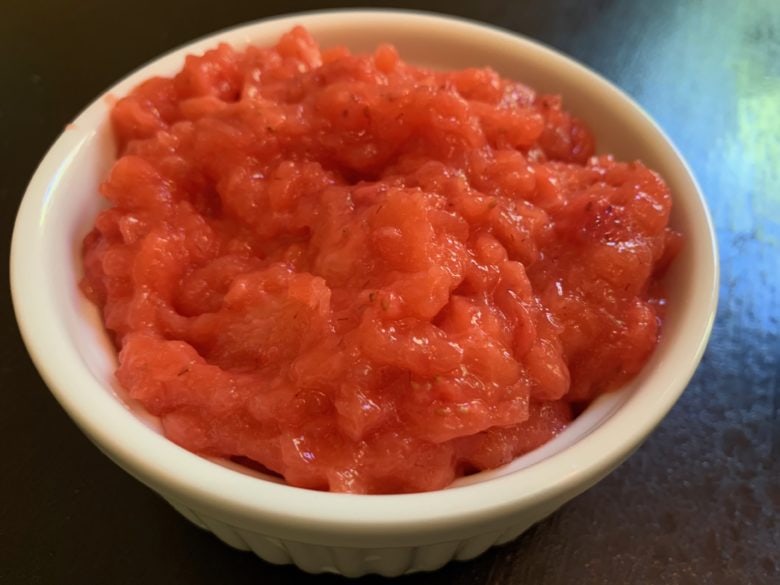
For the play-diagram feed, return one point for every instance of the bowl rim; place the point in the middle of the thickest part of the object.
(250, 500)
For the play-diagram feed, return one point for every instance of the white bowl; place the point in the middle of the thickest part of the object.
(354, 534)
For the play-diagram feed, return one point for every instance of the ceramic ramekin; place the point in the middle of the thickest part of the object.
(354, 534)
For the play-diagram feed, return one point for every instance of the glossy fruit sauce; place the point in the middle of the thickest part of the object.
(366, 276)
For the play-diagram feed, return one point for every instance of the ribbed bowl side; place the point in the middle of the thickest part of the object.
(354, 562)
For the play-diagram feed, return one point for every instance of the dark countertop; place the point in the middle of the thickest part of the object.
(698, 503)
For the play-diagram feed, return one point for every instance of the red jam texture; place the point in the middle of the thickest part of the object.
(367, 276)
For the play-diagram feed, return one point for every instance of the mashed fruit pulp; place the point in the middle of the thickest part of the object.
(367, 276)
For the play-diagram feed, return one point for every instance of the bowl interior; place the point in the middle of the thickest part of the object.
(64, 332)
